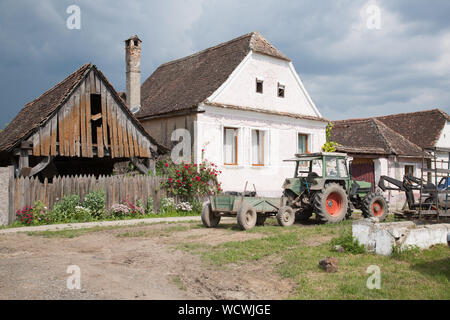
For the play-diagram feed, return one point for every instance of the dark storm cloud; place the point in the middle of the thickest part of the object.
(349, 71)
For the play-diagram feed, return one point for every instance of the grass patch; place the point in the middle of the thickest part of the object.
(412, 274)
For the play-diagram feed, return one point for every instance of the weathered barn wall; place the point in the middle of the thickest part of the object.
(81, 129)
(162, 128)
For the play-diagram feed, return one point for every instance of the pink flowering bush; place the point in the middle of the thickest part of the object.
(126, 208)
(33, 215)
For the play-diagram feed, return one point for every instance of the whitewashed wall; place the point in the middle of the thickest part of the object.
(240, 88)
(281, 137)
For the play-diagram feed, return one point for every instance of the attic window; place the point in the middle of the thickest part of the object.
(280, 90)
(259, 86)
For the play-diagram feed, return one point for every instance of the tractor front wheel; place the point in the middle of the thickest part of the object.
(375, 205)
(331, 203)
(209, 219)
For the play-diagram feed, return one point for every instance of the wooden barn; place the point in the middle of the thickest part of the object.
(80, 126)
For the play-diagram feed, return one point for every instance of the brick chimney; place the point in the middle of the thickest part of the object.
(133, 66)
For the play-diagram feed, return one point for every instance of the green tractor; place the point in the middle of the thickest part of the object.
(322, 184)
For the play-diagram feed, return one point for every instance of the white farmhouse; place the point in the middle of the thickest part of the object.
(244, 105)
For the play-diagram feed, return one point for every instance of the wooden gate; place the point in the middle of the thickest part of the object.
(363, 169)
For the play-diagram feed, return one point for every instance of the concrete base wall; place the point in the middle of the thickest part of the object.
(381, 237)
(5, 174)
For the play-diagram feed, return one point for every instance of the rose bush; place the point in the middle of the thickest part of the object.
(191, 180)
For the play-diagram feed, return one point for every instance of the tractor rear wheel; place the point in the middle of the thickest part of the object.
(209, 219)
(246, 217)
(375, 205)
(286, 216)
(331, 203)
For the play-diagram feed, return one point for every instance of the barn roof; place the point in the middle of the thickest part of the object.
(371, 136)
(35, 113)
(181, 85)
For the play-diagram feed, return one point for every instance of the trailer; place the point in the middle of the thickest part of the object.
(249, 209)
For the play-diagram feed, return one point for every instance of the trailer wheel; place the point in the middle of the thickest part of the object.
(209, 219)
(246, 217)
(331, 203)
(375, 205)
(260, 220)
(286, 216)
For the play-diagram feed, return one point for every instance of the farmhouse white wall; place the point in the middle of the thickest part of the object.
(281, 143)
(240, 88)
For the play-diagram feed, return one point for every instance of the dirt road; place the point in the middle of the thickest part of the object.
(137, 262)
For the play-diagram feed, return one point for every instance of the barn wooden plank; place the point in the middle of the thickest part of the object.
(104, 114)
(114, 124)
(36, 145)
(88, 120)
(100, 150)
(76, 124)
(70, 111)
(110, 112)
(119, 129)
(130, 138)
(126, 148)
(67, 129)
(97, 84)
(92, 82)
(83, 119)
(136, 144)
(54, 129)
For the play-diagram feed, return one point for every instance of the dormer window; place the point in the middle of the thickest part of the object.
(259, 86)
(280, 90)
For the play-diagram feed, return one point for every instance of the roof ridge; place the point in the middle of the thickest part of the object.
(379, 123)
(86, 65)
(393, 115)
(250, 34)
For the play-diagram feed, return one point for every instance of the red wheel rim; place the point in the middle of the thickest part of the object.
(377, 209)
(334, 203)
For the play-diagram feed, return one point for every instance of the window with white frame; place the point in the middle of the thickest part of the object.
(258, 147)
(302, 143)
(230, 146)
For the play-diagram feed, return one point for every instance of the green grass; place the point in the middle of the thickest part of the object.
(412, 274)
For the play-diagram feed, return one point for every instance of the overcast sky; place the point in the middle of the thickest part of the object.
(349, 69)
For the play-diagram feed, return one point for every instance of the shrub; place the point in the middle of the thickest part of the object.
(183, 206)
(149, 207)
(33, 215)
(126, 208)
(192, 180)
(82, 214)
(64, 210)
(167, 205)
(348, 243)
(95, 201)
(119, 210)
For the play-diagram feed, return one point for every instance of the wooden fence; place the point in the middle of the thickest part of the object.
(26, 191)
